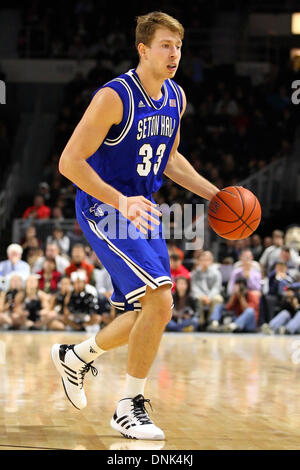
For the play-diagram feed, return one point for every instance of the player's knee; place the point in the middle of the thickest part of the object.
(167, 316)
(161, 303)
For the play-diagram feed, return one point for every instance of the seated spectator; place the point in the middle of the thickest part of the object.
(287, 321)
(82, 310)
(291, 259)
(102, 278)
(30, 234)
(226, 268)
(32, 248)
(227, 105)
(29, 241)
(206, 284)
(177, 268)
(52, 253)
(292, 237)
(58, 302)
(104, 289)
(49, 277)
(242, 308)
(44, 190)
(254, 264)
(39, 210)
(61, 298)
(78, 262)
(76, 236)
(34, 253)
(174, 249)
(272, 253)
(57, 214)
(14, 264)
(184, 316)
(227, 250)
(58, 237)
(248, 272)
(240, 245)
(34, 313)
(10, 300)
(256, 246)
(279, 279)
(267, 242)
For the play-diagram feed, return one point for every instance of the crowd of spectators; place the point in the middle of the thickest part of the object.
(231, 129)
(252, 285)
(233, 292)
(256, 126)
(53, 289)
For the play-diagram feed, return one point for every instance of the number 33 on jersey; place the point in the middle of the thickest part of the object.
(135, 152)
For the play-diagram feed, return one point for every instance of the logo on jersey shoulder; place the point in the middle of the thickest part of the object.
(172, 103)
(141, 104)
(96, 210)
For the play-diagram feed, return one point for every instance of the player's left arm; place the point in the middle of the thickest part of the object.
(180, 171)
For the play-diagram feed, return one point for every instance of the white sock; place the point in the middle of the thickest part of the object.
(134, 386)
(88, 350)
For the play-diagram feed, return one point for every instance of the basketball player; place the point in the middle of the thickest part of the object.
(126, 140)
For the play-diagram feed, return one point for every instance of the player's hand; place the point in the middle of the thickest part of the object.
(140, 212)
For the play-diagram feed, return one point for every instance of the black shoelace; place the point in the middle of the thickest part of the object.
(84, 370)
(139, 410)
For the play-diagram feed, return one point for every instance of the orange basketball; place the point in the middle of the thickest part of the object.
(234, 213)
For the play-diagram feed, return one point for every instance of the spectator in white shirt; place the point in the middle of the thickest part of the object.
(206, 284)
(14, 264)
(58, 237)
(272, 253)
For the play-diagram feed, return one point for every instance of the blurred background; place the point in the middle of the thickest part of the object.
(240, 61)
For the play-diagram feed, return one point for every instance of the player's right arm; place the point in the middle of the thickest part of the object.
(105, 110)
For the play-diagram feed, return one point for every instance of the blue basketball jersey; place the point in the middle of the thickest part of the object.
(132, 159)
(135, 152)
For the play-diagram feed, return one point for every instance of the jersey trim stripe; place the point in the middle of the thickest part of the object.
(136, 294)
(143, 275)
(128, 124)
(177, 95)
(145, 94)
(137, 306)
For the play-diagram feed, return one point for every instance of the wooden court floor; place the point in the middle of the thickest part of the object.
(207, 392)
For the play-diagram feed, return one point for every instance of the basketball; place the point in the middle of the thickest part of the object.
(234, 213)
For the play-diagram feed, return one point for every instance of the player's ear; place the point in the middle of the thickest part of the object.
(141, 49)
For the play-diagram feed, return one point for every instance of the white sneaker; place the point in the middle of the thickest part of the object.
(213, 326)
(266, 329)
(72, 370)
(132, 421)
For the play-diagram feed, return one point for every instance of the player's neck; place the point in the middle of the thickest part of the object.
(152, 84)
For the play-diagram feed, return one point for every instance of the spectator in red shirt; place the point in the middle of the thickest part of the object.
(39, 210)
(177, 269)
(242, 307)
(78, 262)
(49, 277)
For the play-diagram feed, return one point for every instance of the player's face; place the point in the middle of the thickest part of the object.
(164, 52)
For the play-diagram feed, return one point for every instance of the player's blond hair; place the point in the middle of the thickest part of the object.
(149, 23)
